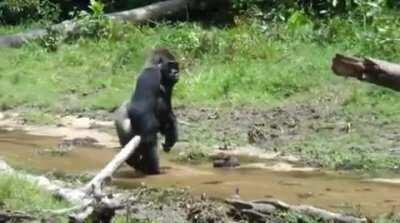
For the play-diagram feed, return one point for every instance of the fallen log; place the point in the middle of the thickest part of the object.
(261, 210)
(138, 15)
(96, 183)
(370, 70)
(88, 201)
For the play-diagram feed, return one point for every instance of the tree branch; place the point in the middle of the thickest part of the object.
(261, 209)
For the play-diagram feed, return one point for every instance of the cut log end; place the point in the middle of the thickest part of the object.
(370, 70)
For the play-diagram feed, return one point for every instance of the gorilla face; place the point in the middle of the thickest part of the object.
(170, 72)
(173, 73)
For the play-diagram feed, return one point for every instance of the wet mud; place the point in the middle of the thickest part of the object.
(334, 191)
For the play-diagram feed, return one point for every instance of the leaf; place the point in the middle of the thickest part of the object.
(97, 7)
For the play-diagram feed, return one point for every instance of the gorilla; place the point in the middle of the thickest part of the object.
(149, 111)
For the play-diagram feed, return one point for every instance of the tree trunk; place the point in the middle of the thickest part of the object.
(151, 12)
(138, 15)
(374, 71)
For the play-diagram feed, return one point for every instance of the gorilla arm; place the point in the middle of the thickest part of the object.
(170, 132)
(168, 124)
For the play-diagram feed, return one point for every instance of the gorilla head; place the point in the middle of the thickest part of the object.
(166, 62)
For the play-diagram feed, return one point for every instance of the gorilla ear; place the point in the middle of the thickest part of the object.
(158, 61)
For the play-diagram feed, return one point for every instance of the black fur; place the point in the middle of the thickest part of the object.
(149, 111)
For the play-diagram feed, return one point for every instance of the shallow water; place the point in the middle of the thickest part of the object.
(327, 190)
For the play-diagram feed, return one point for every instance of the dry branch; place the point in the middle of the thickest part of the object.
(96, 183)
(371, 70)
(138, 15)
(261, 209)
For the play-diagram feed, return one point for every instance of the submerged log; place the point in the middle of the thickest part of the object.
(260, 210)
(371, 70)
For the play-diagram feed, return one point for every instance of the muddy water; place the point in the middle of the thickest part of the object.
(332, 191)
(32, 152)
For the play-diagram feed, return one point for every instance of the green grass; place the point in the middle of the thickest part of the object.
(36, 116)
(239, 65)
(352, 151)
(16, 193)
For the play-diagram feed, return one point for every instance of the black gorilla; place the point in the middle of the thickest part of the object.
(149, 111)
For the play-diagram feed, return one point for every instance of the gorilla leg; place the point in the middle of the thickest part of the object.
(150, 159)
(135, 160)
(125, 134)
(145, 158)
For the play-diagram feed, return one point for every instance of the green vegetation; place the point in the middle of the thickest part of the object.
(240, 65)
(354, 151)
(36, 116)
(272, 56)
(16, 193)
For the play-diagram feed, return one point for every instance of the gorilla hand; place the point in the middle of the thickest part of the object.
(166, 147)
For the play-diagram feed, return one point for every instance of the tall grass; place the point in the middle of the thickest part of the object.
(16, 193)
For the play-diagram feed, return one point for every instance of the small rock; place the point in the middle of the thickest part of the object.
(77, 122)
(305, 195)
(83, 123)
(86, 141)
(395, 151)
(226, 161)
(274, 126)
(213, 115)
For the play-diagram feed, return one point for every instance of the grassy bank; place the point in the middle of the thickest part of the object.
(248, 65)
(16, 193)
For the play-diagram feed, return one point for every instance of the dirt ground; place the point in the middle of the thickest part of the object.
(309, 133)
(303, 130)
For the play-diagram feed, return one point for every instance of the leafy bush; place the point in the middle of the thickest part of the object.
(320, 8)
(18, 11)
(95, 24)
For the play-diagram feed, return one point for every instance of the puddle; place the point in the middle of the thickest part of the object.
(29, 152)
(339, 192)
